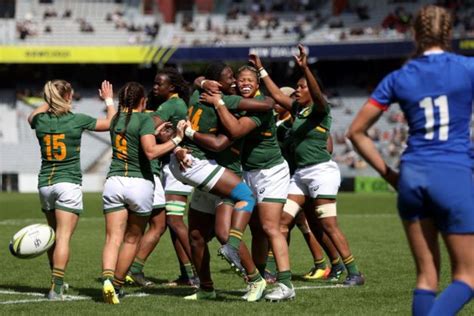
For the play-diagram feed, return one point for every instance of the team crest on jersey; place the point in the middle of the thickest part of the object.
(261, 190)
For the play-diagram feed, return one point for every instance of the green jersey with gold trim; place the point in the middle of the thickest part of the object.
(60, 141)
(128, 157)
(204, 119)
(261, 149)
(310, 132)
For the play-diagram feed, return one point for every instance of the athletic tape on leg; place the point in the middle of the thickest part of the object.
(243, 198)
(291, 207)
(175, 208)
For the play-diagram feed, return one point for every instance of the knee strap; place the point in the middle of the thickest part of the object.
(243, 198)
(326, 210)
(291, 207)
(175, 208)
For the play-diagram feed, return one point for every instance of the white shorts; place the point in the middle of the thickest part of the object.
(63, 196)
(159, 200)
(269, 185)
(203, 174)
(134, 194)
(173, 185)
(317, 181)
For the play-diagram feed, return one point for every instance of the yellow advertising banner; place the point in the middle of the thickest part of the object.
(84, 54)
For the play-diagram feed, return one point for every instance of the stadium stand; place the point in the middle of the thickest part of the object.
(235, 23)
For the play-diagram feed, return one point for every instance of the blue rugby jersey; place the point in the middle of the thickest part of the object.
(435, 92)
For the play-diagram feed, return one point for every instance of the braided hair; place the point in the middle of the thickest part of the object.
(432, 27)
(130, 96)
(181, 87)
(55, 92)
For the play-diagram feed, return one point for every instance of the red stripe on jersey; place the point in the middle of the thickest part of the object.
(377, 104)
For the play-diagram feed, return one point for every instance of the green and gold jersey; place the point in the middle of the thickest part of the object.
(285, 141)
(230, 157)
(156, 164)
(260, 149)
(310, 133)
(128, 157)
(60, 141)
(204, 119)
(172, 110)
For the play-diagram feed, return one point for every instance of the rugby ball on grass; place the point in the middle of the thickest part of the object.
(32, 241)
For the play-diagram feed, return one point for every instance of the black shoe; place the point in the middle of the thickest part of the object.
(140, 280)
(231, 255)
(354, 280)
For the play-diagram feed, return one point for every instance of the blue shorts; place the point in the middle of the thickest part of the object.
(441, 191)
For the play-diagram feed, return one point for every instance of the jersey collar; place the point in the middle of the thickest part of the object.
(433, 52)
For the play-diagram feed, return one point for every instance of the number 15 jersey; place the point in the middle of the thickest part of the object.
(435, 92)
(60, 141)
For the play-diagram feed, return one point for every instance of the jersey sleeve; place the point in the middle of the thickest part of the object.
(165, 111)
(256, 117)
(384, 94)
(468, 63)
(194, 98)
(34, 121)
(231, 101)
(147, 126)
(86, 122)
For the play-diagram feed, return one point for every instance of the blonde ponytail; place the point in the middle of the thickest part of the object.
(55, 93)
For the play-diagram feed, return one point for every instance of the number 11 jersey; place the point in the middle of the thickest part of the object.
(435, 92)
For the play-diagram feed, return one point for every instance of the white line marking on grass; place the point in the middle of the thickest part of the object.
(25, 221)
(36, 300)
(21, 293)
(139, 294)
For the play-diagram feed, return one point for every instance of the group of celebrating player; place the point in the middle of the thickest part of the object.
(245, 166)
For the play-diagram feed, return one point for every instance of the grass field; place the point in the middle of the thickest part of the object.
(370, 223)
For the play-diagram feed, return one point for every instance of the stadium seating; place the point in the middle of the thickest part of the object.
(318, 25)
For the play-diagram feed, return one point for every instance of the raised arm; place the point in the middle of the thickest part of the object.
(40, 109)
(106, 93)
(207, 85)
(236, 128)
(313, 86)
(272, 88)
(357, 133)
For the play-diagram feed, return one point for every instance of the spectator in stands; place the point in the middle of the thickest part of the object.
(67, 14)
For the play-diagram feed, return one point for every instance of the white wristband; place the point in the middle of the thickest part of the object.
(221, 102)
(176, 140)
(189, 132)
(263, 73)
(109, 101)
(202, 83)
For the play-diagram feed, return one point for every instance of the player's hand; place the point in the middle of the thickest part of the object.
(188, 124)
(183, 158)
(302, 59)
(211, 98)
(255, 60)
(180, 128)
(106, 90)
(162, 126)
(211, 86)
